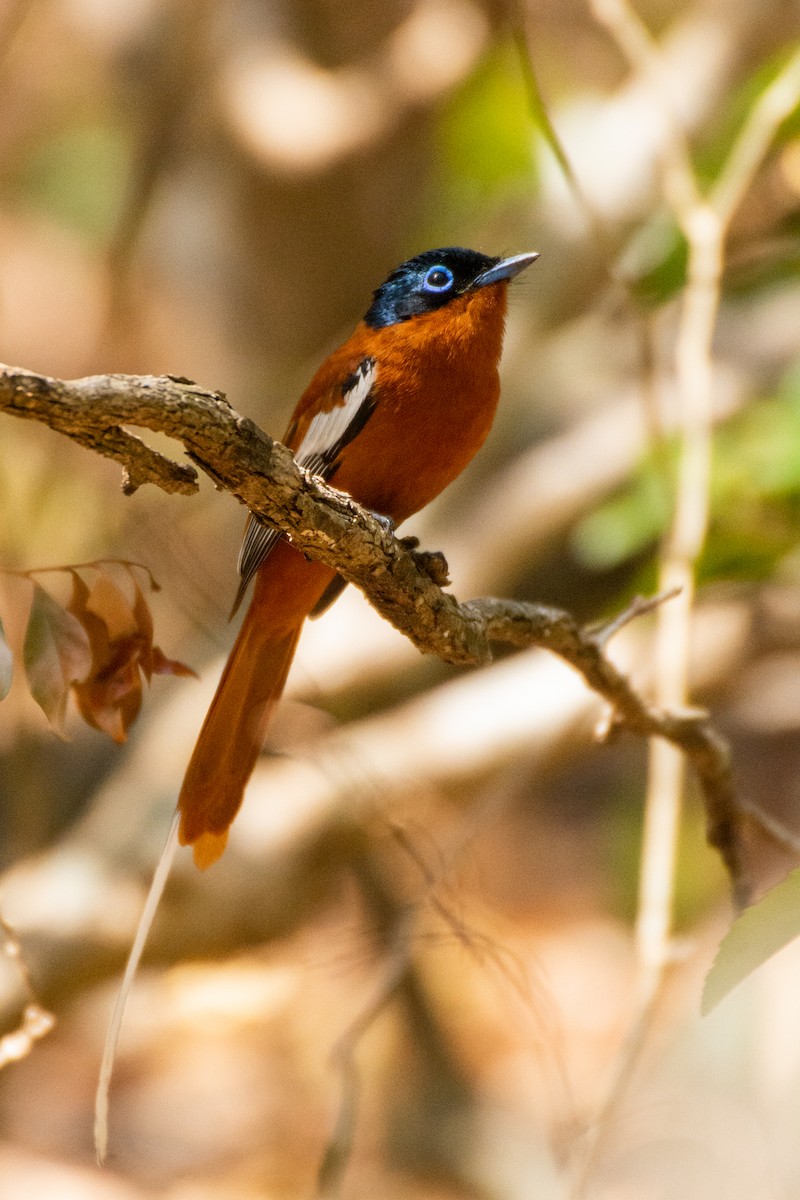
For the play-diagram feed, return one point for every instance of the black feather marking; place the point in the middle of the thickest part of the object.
(318, 453)
(332, 593)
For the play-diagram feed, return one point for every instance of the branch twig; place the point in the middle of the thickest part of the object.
(331, 527)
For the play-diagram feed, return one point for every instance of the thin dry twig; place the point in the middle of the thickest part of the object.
(541, 118)
(638, 607)
(397, 963)
(398, 924)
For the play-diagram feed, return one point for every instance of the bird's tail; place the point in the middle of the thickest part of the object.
(232, 735)
(287, 588)
(223, 759)
(112, 1034)
(226, 751)
(222, 762)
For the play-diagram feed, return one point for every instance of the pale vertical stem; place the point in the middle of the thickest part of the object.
(684, 544)
(704, 224)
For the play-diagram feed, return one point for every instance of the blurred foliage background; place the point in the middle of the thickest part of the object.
(212, 188)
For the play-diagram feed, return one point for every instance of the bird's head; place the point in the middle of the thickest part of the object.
(435, 278)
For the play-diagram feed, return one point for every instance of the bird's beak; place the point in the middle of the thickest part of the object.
(506, 269)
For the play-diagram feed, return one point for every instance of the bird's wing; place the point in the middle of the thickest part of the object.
(329, 432)
(318, 453)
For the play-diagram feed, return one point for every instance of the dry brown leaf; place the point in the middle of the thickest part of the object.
(120, 635)
(57, 655)
(154, 661)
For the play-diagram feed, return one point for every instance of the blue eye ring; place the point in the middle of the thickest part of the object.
(438, 279)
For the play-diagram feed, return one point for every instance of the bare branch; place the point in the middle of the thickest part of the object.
(773, 106)
(84, 410)
(638, 607)
(261, 473)
(331, 527)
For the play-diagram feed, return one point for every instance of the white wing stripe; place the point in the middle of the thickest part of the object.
(328, 429)
(327, 435)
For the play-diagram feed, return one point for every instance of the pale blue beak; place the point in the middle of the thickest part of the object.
(506, 269)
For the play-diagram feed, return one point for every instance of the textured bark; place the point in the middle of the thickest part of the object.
(331, 527)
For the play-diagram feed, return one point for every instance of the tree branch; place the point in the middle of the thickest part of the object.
(331, 527)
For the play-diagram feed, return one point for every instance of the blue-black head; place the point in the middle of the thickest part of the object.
(434, 278)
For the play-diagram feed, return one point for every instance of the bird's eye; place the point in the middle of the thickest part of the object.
(438, 279)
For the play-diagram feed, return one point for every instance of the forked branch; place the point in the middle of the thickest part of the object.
(329, 526)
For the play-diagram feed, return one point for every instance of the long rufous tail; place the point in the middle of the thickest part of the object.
(226, 751)
(251, 685)
(232, 736)
(222, 762)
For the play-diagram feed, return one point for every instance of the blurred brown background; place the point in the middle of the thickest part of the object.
(212, 188)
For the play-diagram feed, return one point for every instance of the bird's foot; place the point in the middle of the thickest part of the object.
(432, 562)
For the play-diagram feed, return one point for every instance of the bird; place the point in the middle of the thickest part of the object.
(391, 417)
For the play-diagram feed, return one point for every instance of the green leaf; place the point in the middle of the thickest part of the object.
(56, 655)
(654, 261)
(538, 110)
(6, 665)
(755, 936)
(714, 150)
(487, 145)
(627, 524)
